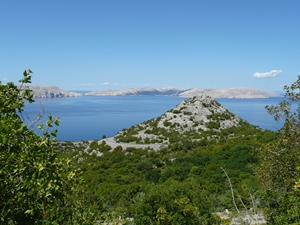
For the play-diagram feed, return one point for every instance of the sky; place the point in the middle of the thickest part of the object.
(119, 44)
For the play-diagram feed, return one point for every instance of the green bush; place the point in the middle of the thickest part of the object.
(167, 123)
(37, 187)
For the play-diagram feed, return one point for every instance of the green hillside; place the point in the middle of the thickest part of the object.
(208, 167)
(199, 138)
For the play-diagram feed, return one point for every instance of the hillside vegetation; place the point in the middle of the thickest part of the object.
(194, 119)
(211, 168)
(184, 180)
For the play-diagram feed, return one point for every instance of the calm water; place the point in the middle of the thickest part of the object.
(91, 117)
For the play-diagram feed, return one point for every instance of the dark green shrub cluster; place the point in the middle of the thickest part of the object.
(167, 123)
(213, 125)
(187, 113)
(219, 116)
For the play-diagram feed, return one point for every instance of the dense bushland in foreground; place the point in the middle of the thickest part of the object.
(36, 187)
(44, 181)
(140, 183)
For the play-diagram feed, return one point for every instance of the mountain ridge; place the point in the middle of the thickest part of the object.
(51, 92)
(189, 92)
(55, 92)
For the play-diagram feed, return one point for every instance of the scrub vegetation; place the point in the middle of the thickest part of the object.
(201, 171)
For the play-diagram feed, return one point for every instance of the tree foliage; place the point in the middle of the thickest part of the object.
(279, 161)
(181, 184)
(36, 186)
(182, 180)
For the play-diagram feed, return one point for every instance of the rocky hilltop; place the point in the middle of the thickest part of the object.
(51, 92)
(188, 119)
(189, 92)
(197, 113)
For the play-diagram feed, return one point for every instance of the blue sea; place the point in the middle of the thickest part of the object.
(91, 117)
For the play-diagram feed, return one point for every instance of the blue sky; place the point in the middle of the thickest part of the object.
(118, 44)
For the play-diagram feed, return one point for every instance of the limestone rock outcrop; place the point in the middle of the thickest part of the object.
(196, 115)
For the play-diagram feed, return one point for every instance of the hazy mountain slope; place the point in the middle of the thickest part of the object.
(51, 92)
(230, 93)
(189, 92)
(55, 92)
(139, 91)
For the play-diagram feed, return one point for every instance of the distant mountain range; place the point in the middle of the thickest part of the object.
(51, 92)
(140, 92)
(55, 92)
(190, 92)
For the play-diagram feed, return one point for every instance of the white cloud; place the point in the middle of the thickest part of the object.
(272, 73)
(112, 84)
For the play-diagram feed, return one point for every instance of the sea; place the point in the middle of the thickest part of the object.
(92, 117)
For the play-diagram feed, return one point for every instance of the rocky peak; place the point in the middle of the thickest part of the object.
(202, 112)
(193, 116)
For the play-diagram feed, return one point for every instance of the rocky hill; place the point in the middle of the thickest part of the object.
(51, 92)
(189, 119)
(189, 92)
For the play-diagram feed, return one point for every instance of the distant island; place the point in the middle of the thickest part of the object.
(55, 92)
(51, 92)
(190, 92)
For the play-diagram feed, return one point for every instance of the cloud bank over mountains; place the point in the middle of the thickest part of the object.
(272, 73)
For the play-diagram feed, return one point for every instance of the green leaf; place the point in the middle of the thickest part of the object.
(29, 211)
(41, 127)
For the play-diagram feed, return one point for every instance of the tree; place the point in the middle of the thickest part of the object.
(279, 161)
(173, 202)
(36, 186)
